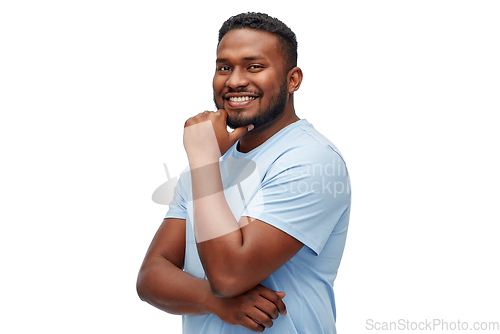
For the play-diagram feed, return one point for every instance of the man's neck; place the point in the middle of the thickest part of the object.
(258, 136)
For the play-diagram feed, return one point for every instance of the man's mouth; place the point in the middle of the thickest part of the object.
(239, 100)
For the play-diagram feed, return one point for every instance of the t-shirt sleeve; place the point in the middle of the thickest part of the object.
(304, 193)
(177, 207)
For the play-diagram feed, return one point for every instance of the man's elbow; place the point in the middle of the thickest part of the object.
(227, 287)
(142, 287)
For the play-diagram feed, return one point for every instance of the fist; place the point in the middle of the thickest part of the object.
(206, 134)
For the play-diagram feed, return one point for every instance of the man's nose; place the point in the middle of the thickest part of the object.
(237, 78)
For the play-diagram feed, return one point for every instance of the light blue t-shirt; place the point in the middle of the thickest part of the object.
(296, 181)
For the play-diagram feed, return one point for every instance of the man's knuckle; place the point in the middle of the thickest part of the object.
(256, 327)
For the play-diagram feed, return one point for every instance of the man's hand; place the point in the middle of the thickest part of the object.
(205, 138)
(254, 309)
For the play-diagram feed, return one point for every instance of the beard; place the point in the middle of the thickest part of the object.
(276, 108)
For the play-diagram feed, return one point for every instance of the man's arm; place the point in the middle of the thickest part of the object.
(161, 281)
(235, 255)
(246, 255)
(163, 284)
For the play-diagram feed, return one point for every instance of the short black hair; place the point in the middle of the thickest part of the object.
(264, 22)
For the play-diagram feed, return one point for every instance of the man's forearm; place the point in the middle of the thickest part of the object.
(169, 288)
(212, 216)
(218, 234)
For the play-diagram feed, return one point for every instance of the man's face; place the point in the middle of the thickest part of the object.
(249, 81)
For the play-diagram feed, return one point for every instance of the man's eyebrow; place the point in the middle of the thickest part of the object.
(252, 58)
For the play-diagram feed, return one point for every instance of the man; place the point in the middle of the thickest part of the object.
(261, 216)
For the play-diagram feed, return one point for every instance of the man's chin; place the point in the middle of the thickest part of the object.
(235, 123)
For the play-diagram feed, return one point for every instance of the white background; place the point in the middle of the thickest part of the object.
(93, 97)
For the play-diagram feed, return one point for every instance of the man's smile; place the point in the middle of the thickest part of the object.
(239, 100)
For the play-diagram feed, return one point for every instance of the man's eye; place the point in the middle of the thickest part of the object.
(224, 68)
(255, 67)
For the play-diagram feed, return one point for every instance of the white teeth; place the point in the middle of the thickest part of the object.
(241, 98)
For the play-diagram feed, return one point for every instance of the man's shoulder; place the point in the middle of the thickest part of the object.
(306, 144)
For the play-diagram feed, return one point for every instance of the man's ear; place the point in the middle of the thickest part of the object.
(294, 79)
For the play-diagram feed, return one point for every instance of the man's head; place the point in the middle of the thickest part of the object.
(255, 69)
(263, 22)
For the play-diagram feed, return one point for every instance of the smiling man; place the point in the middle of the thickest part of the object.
(233, 250)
